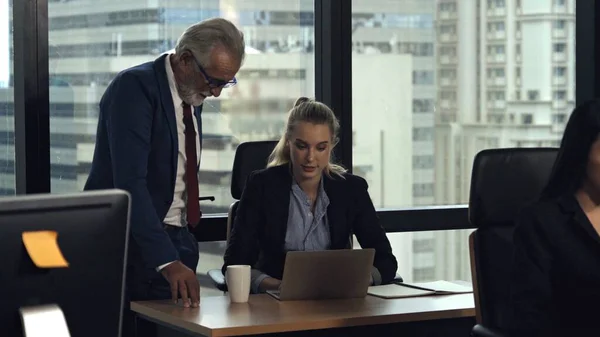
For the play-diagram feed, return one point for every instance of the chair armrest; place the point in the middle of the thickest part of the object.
(218, 279)
(481, 331)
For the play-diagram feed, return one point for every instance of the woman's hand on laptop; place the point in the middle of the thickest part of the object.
(269, 283)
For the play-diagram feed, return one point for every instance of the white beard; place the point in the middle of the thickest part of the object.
(196, 100)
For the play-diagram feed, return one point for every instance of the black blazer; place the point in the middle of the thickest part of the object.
(260, 226)
(555, 284)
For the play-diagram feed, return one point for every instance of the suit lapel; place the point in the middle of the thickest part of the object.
(335, 212)
(570, 204)
(279, 202)
(168, 108)
(198, 115)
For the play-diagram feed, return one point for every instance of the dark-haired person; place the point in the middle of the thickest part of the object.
(555, 286)
(303, 202)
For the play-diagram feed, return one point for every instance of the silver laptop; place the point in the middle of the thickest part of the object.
(329, 274)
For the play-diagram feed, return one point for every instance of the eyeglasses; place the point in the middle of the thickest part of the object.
(214, 83)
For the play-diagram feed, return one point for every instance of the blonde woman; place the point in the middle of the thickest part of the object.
(303, 202)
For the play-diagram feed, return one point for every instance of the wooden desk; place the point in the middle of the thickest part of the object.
(263, 314)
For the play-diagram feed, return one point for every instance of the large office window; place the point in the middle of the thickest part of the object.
(7, 143)
(470, 111)
(91, 41)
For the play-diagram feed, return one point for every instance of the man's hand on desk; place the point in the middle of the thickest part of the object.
(183, 281)
(269, 283)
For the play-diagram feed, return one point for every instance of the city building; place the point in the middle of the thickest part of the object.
(434, 82)
(506, 78)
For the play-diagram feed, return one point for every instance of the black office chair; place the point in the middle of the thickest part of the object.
(503, 181)
(249, 157)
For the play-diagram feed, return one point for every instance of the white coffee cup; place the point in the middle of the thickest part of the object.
(237, 278)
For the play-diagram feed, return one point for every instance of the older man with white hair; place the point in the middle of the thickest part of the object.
(148, 143)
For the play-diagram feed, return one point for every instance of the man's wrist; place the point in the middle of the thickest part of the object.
(162, 266)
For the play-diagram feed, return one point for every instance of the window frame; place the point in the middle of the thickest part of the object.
(31, 97)
(333, 86)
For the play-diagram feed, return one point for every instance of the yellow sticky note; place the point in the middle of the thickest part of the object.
(43, 249)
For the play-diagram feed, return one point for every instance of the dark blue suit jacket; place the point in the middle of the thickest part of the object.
(136, 150)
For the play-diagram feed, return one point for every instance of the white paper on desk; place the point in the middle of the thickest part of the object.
(444, 287)
(396, 291)
(429, 289)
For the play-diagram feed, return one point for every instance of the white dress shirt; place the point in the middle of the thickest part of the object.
(176, 216)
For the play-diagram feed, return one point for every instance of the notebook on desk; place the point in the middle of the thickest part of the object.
(402, 290)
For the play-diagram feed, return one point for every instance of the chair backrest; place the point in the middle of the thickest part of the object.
(249, 157)
(503, 181)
